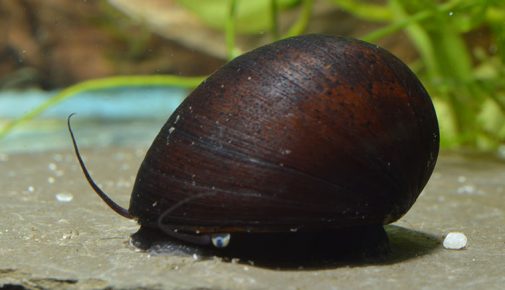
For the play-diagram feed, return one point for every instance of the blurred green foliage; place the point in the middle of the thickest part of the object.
(460, 46)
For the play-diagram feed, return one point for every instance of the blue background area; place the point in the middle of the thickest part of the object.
(118, 103)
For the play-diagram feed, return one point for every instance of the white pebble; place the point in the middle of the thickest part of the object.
(64, 197)
(52, 166)
(455, 241)
(467, 189)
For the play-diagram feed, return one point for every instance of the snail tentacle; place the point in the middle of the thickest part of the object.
(112, 204)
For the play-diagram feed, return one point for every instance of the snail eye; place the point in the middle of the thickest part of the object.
(220, 240)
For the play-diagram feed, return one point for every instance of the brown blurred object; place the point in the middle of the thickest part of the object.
(54, 43)
(173, 21)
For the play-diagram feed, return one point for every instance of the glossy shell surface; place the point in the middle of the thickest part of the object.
(308, 133)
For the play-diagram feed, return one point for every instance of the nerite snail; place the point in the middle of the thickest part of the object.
(310, 133)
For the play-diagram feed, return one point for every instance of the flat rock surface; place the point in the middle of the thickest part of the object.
(56, 233)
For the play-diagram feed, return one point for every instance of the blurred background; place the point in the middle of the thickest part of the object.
(123, 66)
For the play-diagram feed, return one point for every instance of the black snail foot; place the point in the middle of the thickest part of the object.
(349, 244)
(357, 244)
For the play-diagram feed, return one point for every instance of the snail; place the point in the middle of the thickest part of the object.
(310, 133)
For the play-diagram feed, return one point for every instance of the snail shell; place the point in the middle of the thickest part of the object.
(309, 133)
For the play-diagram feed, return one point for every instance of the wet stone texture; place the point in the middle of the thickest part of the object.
(56, 234)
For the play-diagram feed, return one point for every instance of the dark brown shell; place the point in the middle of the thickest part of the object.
(307, 133)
